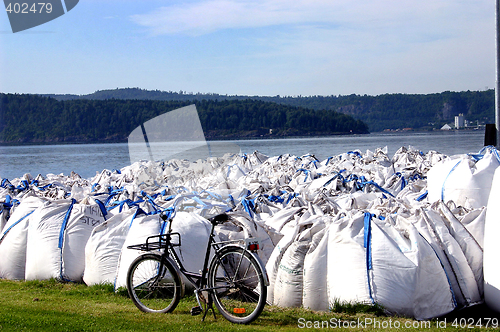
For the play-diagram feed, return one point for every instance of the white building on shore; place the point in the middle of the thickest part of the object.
(459, 121)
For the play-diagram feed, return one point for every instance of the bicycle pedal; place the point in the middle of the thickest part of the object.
(196, 311)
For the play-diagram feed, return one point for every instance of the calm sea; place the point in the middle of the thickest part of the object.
(87, 159)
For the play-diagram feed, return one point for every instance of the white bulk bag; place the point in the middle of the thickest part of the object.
(84, 218)
(370, 261)
(14, 237)
(406, 277)
(43, 251)
(57, 235)
(103, 249)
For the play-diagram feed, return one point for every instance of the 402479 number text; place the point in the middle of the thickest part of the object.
(25, 8)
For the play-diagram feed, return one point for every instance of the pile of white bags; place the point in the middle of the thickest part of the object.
(401, 232)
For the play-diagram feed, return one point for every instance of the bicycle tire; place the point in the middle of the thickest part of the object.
(237, 283)
(151, 288)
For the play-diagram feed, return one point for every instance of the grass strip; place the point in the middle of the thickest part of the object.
(54, 306)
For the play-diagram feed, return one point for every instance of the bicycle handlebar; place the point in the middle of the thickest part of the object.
(215, 220)
(219, 219)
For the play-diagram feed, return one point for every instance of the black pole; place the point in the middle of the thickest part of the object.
(490, 135)
(497, 84)
(147, 142)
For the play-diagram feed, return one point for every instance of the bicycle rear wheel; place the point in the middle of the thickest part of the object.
(153, 284)
(239, 291)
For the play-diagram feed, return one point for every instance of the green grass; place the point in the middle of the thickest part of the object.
(353, 308)
(53, 306)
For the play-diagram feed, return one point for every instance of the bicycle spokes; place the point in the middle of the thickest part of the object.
(153, 284)
(238, 286)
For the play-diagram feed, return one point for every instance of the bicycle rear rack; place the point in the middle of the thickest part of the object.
(157, 242)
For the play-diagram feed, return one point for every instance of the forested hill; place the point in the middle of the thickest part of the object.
(388, 111)
(37, 119)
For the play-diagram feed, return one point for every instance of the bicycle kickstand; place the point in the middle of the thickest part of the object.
(209, 305)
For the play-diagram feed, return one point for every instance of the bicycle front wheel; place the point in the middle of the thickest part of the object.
(239, 291)
(153, 284)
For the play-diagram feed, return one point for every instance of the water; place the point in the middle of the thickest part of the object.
(87, 159)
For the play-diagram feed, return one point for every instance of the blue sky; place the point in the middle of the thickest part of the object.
(259, 47)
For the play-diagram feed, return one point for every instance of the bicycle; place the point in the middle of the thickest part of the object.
(235, 278)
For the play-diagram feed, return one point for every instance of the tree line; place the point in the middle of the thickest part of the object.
(387, 111)
(26, 118)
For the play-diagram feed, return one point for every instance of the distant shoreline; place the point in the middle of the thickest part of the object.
(238, 138)
(227, 137)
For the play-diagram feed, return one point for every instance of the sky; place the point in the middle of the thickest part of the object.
(257, 47)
